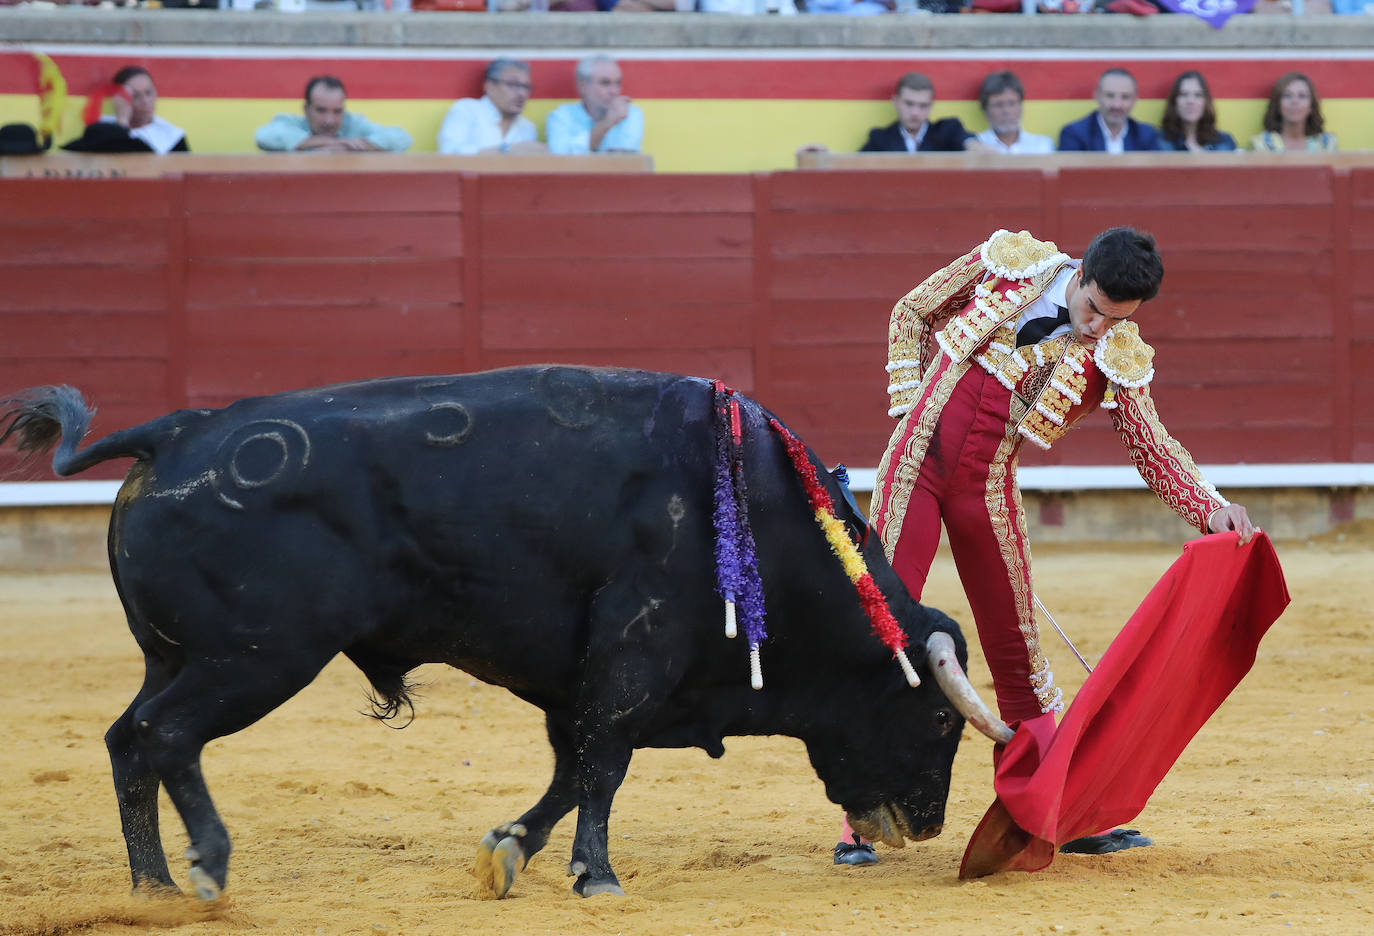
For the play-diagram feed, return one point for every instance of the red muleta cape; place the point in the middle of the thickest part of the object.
(1176, 660)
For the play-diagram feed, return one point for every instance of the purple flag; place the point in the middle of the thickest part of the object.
(1214, 12)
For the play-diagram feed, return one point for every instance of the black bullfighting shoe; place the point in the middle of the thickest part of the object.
(855, 853)
(1114, 841)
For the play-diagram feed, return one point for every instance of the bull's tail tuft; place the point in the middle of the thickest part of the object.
(37, 418)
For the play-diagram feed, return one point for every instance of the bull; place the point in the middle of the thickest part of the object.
(545, 529)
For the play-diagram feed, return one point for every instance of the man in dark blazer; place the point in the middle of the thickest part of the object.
(1110, 128)
(913, 131)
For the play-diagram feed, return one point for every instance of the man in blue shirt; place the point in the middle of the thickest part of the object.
(604, 121)
(327, 126)
(1110, 128)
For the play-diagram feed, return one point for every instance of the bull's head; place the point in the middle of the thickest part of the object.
(890, 769)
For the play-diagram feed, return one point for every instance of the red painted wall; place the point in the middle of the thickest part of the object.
(193, 291)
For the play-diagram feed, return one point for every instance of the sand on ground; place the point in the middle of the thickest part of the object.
(344, 826)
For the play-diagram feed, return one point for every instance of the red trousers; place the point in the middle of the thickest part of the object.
(967, 478)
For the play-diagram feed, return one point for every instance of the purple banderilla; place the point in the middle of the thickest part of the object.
(737, 565)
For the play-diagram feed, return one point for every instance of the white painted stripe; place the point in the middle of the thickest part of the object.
(1125, 478)
(1053, 478)
(696, 54)
(57, 493)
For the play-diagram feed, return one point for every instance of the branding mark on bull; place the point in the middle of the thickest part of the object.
(573, 397)
(259, 454)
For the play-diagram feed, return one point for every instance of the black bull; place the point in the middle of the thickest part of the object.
(548, 530)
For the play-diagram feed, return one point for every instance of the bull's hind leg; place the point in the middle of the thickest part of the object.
(207, 701)
(506, 849)
(136, 787)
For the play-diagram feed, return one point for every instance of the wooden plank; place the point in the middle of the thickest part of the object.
(1181, 228)
(1018, 191)
(515, 326)
(1224, 314)
(360, 234)
(376, 327)
(83, 199)
(81, 334)
(345, 193)
(276, 284)
(102, 380)
(879, 277)
(1186, 407)
(79, 241)
(834, 322)
(648, 235)
(617, 280)
(1100, 446)
(1242, 361)
(932, 228)
(59, 288)
(733, 365)
(1194, 187)
(217, 378)
(545, 195)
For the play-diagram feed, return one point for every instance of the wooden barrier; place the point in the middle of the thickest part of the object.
(151, 166)
(196, 289)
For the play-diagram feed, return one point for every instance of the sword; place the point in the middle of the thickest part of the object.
(1050, 617)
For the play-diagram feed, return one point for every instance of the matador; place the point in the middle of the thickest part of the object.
(1026, 342)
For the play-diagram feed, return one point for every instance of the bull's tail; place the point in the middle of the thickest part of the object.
(37, 418)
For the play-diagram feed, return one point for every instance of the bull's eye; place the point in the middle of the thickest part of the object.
(944, 720)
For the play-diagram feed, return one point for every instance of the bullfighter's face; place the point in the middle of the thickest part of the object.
(1091, 313)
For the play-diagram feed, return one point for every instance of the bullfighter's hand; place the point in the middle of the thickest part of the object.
(1235, 518)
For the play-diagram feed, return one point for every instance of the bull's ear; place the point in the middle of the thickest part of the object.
(855, 521)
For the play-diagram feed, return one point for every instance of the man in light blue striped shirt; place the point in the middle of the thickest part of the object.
(604, 121)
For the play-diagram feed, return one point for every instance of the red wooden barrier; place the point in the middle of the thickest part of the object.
(193, 291)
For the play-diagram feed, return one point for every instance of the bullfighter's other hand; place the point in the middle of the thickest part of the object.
(1233, 517)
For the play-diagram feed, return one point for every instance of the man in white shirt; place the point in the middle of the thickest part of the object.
(493, 123)
(1001, 96)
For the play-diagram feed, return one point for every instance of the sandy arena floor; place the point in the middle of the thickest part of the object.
(342, 825)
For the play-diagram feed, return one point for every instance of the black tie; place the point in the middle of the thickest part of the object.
(1038, 329)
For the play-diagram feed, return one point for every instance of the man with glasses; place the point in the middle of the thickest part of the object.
(604, 121)
(493, 123)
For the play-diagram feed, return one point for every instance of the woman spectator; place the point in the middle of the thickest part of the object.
(134, 127)
(1293, 121)
(1190, 118)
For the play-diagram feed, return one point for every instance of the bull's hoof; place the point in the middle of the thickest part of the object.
(1113, 841)
(586, 887)
(500, 857)
(203, 883)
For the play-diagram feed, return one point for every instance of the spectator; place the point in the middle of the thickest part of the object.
(1294, 119)
(1110, 128)
(135, 126)
(913, 131)
(493, 123)
(327, 127)
(1190, 118)
(604, 121)
(1001, 96)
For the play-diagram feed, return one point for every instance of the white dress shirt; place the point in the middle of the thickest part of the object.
(1115, 144)
(474, 124)
(1027, 144)
(1051, 300)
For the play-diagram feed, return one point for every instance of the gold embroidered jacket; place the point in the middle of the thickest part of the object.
(974, 303)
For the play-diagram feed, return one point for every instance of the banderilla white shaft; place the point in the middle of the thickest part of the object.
(1050, 617)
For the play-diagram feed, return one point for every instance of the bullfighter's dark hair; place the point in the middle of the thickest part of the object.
(1172, 124)
(1273, 116)
(997, 82)
(327, 81)
(1125, 265)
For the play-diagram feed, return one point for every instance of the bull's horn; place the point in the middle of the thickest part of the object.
(944, 663)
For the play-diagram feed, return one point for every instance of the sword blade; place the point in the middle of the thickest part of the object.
(1050, 617)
